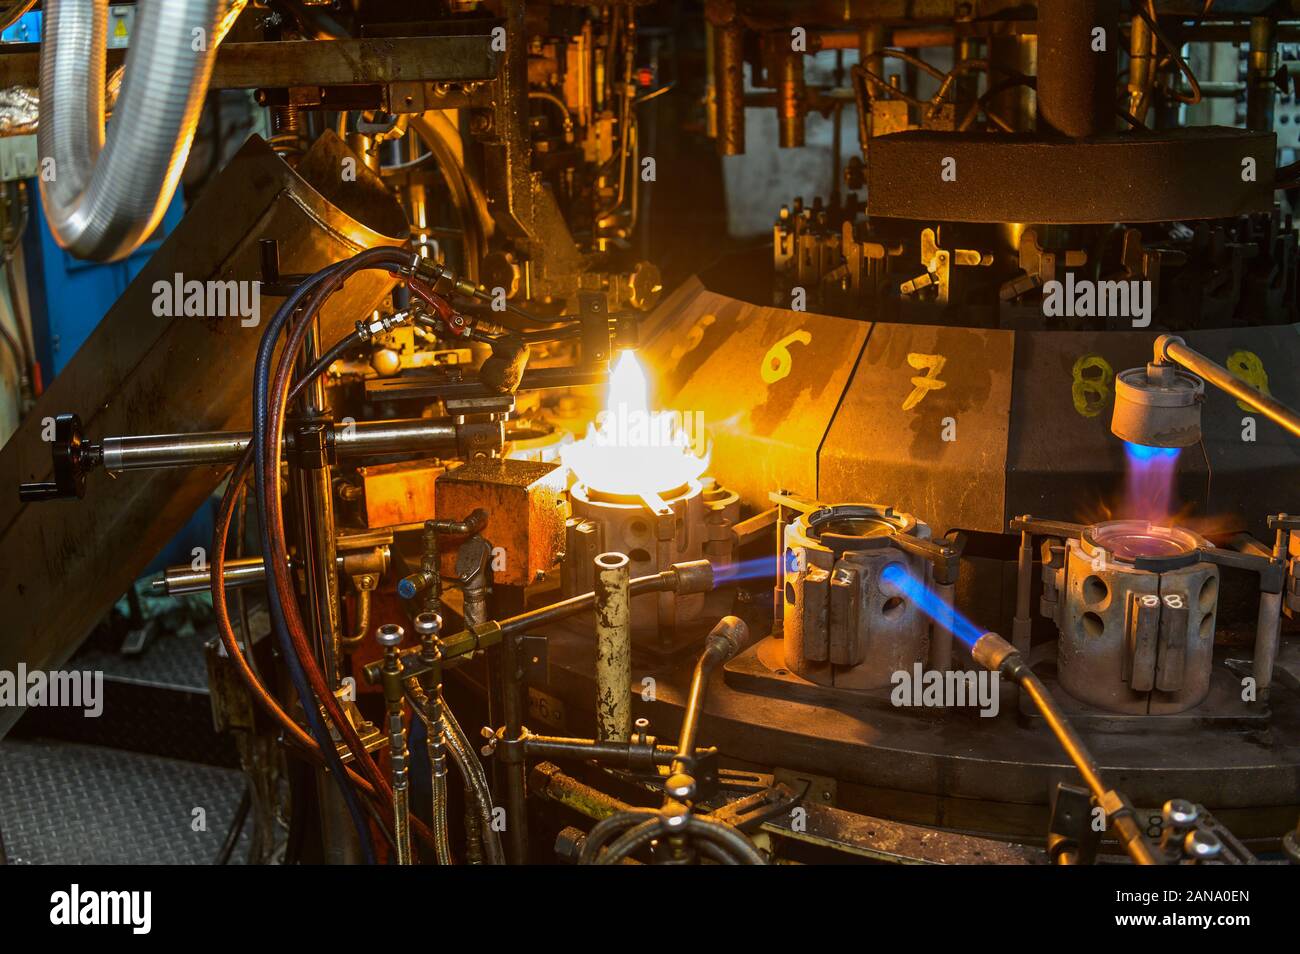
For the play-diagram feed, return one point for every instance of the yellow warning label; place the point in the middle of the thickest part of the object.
(119, 31)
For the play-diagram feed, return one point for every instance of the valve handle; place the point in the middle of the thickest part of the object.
(72, 461)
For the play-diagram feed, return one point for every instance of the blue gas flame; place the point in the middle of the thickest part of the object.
(1140, 453)
(759, 568)
(931, 604)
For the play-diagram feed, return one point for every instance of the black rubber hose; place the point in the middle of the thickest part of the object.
(727, 837)
(296, 674)
(486, 296)
(323, 363)
(632, 841)
(476, 782)
(727, 840)
(714, 853)
(299, 317)
(236, 827)
(608, 828)
(268, 427)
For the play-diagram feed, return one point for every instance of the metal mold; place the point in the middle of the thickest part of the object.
(843, 625)
(1136, 609)
(691, 522)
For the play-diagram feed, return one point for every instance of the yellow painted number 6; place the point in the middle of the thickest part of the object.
(778, 361)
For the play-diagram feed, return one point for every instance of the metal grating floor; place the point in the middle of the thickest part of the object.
(63, 803)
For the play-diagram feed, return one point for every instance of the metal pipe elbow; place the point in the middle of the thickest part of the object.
(103, 196)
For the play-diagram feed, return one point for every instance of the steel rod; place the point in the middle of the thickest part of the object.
(1175, 349)
(351, 439)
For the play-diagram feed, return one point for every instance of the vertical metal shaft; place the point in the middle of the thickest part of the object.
(339, 841)
(666, 601)
(871, 40)
(389, 637)
(1018, 104)
(1269, 625)
(316, 506)
(791, 99)
(514, 766)
(1077, 66)
(1267, 632)
(427, 696)
(312, 504)
(613, 647)
(1141, 67)
(967, 87)
(431, 566)
(1022, 624)
(1259, 80)
(941, 629)
(729, 86)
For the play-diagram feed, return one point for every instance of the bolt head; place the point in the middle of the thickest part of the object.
(1179, 813)
(680, 786)
(1202, 845)
(389, 635)
(676, 821)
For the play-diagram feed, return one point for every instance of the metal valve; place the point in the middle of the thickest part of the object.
(74, 457)
(389, 635)
(428, 624)
(1180, 817)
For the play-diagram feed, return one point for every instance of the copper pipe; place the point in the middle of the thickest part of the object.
(729, 88)
(907, 38)
(792, 100)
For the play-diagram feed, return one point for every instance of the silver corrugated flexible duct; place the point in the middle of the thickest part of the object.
(104, 196)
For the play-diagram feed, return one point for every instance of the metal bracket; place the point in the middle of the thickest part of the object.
(535, 651)
(939, 263)
(1070, 829)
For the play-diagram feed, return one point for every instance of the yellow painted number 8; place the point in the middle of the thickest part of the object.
(1093, 377)
(1246, 366)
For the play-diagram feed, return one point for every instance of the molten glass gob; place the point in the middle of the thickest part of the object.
(1127, 540)
(631, 450)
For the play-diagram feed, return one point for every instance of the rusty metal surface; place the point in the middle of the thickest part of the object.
(765, 381)
(63, 564)
(882, 840)
(399, 494)
(324, 63)
(864, 836)
(1147, 177)
(353, 61)
(524, 499)
(923, 426)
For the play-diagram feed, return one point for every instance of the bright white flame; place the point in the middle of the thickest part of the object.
(627, 384)
(633, 450)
